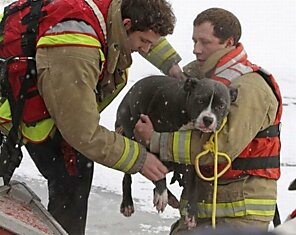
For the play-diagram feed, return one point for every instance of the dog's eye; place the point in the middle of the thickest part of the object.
(199, 101)
(220, 106)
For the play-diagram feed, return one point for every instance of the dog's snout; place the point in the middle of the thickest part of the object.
(207, 120)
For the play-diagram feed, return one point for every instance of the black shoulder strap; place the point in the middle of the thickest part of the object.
(11, 146)
(271, 131)
(8, 10)
(28, 42)
(274, 130)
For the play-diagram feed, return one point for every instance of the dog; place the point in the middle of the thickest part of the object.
(171, 105)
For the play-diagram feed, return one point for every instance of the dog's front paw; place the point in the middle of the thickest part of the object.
(127, 210)
(190, 222)
(160, 201)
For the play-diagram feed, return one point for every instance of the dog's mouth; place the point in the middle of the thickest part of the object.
(206, 124)
(206, 130)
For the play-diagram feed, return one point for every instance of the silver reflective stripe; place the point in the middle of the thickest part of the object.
(72, 26)
(235, 71)
(229, 74)
(230, 62)
(100, 17)
(164, 151)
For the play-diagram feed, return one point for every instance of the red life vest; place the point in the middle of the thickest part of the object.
(262, 155)
(23, 23)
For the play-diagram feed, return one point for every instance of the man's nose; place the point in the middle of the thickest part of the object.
(197, 49)
(146, 47)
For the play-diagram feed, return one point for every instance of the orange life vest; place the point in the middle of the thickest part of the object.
(23, 23)
(262, 155)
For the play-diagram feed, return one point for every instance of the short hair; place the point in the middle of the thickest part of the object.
(155, 15)
(225, 23)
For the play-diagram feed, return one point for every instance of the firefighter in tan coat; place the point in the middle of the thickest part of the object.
(82, 50)
(247, 192)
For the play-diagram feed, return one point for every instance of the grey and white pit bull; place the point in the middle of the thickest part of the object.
(172, 105)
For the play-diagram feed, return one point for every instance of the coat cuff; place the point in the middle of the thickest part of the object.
(163, 56)
(154, 142)
(140, 161)
(165, 153)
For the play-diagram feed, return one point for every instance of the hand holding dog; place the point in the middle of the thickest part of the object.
(153, 169)
(143, 130)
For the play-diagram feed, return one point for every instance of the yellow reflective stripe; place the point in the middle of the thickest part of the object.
(69, 39)
(265, 209)
(5, 112)
(259, 207)
(160, 53)
(102, 57)
(39, 132)
(181, 147)
(129, 156)
(259, 201)
(176, 147)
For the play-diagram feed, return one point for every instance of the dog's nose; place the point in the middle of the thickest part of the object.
(207, 121)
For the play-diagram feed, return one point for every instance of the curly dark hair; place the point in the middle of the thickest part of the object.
(225, 23)
(155, 15)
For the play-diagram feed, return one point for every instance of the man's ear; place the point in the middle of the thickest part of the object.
(127, 23)
(229, 42)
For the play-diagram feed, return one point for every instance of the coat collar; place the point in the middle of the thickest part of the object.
(119, 51)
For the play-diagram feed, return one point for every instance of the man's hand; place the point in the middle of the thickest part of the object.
(119, 130)
(143, 130)
(176, 72)
(153, 169)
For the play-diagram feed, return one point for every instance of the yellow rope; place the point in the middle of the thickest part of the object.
(212, 146)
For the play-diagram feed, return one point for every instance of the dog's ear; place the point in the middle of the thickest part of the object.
(233, 93)
(190, 84)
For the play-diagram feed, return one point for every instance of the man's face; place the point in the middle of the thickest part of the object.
(205, 43)
(142, 41)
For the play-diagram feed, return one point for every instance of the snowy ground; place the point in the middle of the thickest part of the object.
(264, 23)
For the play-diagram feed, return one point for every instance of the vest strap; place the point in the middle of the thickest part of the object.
(256, 163)
(28, 41)
(99, 16)
(272, 131)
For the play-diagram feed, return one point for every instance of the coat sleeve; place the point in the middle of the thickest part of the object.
(163, 56)
(67, 79)
(254, 110)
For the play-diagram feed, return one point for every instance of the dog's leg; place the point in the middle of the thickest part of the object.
(172, 200)
(160, 200)
(191, 176)
(127, 205)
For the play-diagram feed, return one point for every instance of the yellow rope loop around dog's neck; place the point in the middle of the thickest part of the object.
(212, 146)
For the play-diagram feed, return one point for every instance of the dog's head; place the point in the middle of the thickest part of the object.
(208, 102)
